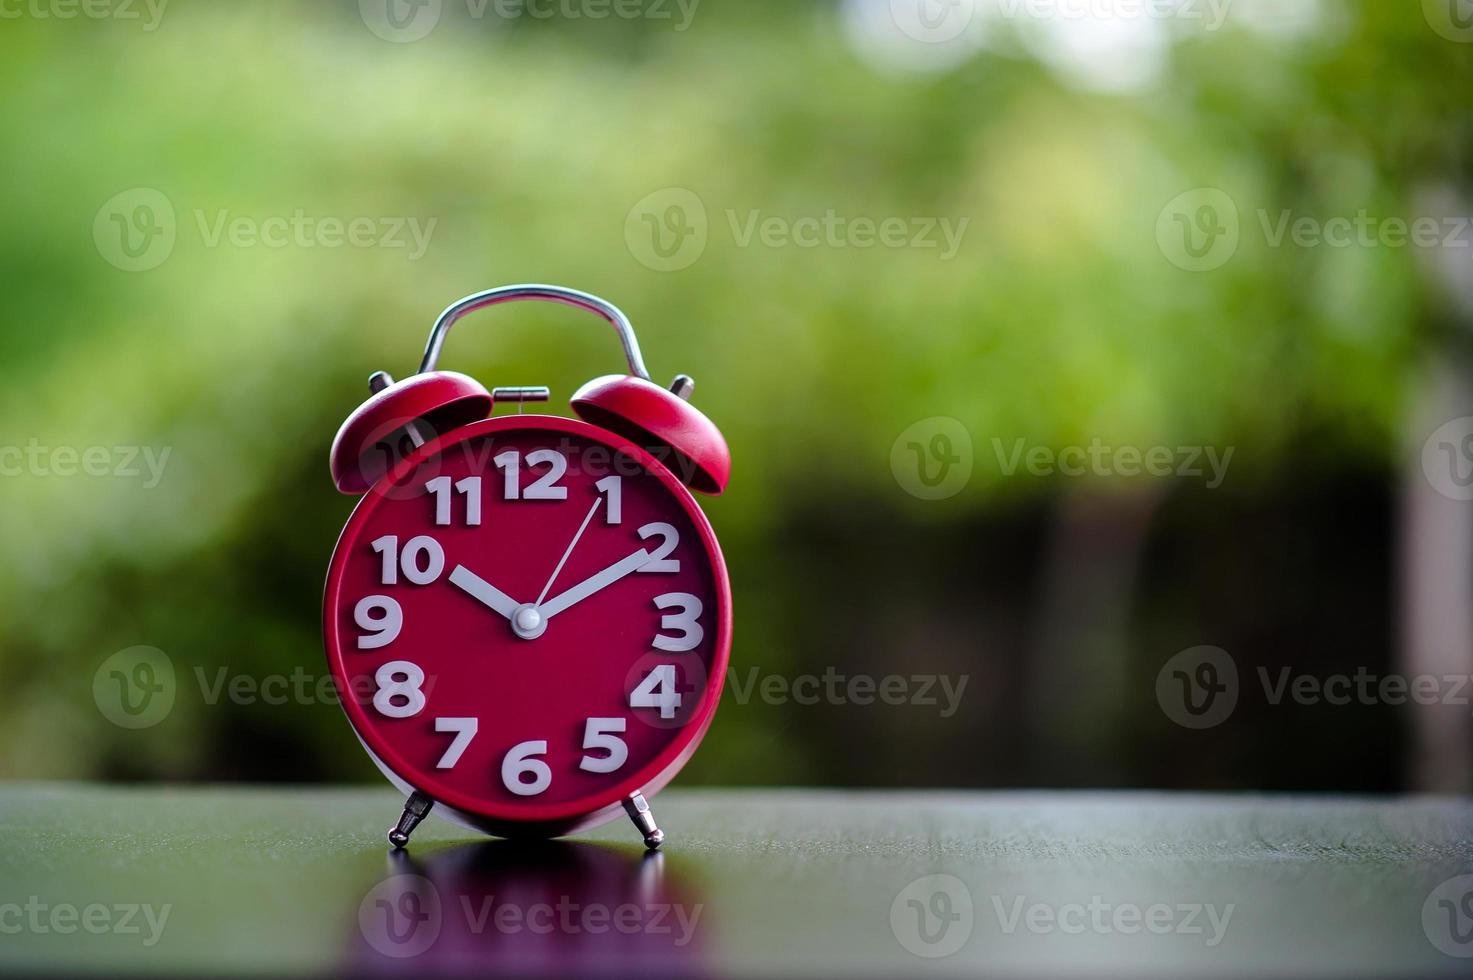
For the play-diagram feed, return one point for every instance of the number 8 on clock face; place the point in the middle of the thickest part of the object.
(531, 617)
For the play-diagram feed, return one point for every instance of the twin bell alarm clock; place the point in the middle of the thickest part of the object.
(528, 616)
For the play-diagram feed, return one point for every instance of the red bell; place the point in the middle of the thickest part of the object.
(398, 417)
(660, 421)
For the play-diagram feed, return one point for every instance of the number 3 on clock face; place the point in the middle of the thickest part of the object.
(533, 620)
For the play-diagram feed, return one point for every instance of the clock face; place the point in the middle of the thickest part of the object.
(529, 620)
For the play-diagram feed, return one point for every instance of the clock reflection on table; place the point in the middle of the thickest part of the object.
(518, 908)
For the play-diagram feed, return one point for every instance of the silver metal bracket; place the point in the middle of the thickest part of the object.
(416, 808)
(638, 809)
(520, 394)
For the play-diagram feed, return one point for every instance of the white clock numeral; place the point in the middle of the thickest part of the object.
(660, 560)
(470, 488)
(387, 547)
(423, 559)
(612, 487)
(519, 763)
(657, 691)
(379, 630)
(465, 730)
(687, 621)
(399, 679)
(545, 487)
(434, 560)
(510, 464)
(600, 734)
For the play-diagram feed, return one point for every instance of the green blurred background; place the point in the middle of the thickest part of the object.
(553, 149)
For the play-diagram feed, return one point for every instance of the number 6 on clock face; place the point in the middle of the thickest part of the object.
(534, 622)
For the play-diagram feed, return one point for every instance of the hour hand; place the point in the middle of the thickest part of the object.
(483, 591)
(589, 586)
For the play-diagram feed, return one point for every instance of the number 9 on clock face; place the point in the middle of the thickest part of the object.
(530, 620)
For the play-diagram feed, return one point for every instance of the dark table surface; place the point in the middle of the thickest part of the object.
(785, 882)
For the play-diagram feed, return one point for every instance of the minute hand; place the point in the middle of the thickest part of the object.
(591, 585)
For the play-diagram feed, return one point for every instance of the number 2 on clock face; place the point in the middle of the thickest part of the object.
(530, 617)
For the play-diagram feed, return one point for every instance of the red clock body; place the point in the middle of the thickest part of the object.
(529, 620)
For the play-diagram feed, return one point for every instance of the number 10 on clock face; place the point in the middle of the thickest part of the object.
(530, 620)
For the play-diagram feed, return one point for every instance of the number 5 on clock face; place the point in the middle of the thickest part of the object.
(535, 622)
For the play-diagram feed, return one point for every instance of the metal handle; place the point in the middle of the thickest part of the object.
(552, 294)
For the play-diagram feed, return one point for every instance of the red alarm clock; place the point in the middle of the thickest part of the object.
(528, 615)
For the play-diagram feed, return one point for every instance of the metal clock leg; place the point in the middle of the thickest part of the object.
(638, 809)
(415, 809)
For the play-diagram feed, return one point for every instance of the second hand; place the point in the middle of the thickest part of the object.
(571, 545)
